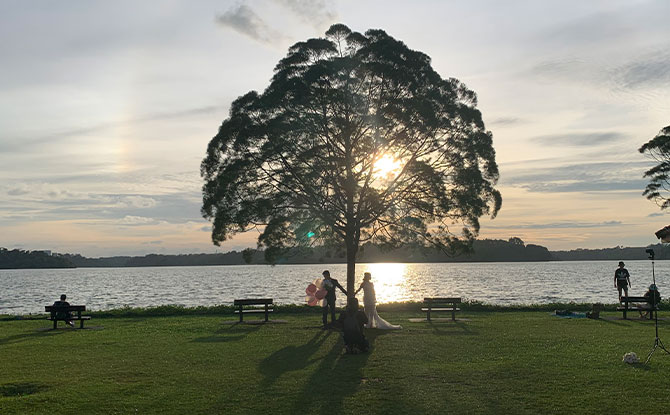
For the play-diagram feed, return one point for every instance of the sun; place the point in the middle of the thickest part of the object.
(387, 167)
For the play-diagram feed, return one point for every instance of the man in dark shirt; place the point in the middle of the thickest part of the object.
(353, 321)
(64, 314)
(329, 284)
(622, 279)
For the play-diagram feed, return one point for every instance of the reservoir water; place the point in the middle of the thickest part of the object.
(28, 291)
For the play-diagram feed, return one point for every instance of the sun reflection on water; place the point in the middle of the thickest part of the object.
(389, 280)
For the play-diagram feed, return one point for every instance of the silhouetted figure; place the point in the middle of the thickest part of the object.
(353, 320)
(622, 279)
(329, 284)
(370, 305)
(653, 298)
(64, 314)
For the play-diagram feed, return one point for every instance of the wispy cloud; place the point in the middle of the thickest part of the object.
(130, 220)
(579, 177)
(315, 12)
(18, 191)
(23, 142)
(505, 121)
(245, 21)
(562, 225)
(580, 139)
(649, 71)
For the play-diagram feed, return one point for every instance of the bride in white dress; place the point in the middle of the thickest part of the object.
(370, 306)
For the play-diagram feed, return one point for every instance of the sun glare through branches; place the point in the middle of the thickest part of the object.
(387, 168)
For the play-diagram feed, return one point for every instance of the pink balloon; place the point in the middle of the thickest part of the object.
(312, 301)
(311, 289)
(320, 294)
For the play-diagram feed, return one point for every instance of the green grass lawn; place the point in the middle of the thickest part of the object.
(497, 362)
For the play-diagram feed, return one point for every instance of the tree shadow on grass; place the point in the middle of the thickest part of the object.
(337, 377)
(26, 336)
(230, 333)
(21, 388)
(291, 358)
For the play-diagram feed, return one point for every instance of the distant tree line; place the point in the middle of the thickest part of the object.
(616, 253)
(18, 258)
(485, 250)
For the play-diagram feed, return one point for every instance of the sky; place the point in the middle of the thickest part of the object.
(107, 108)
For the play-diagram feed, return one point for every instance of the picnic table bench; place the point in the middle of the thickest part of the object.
(627, 306)
(251, 305)
(66, 313)
(441, 304)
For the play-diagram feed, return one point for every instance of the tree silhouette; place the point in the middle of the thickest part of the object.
(658, 149)
(356, 139)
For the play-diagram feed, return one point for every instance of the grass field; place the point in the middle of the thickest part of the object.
(495, 362)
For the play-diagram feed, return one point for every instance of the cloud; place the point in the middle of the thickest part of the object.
(563, 225)
(579, 177)
(569, 69)
(587, 186)
(656, 215)
(579, 139)
(315, 12)
(245, 21)
(129, 220)
(21, 143)
(141, 202)
(18, 191)
(650, 70)
(594, 28)
(647, 71)
(506, 121)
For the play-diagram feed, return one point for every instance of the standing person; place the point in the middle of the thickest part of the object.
(64, 314)
(329, 284)
(370, 305)
(622, 279)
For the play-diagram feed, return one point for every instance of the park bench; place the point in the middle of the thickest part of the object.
(251, 305)
(627, 306)
(437, 304)
(60, 313)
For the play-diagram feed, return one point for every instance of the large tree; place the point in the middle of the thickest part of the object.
(356, 139)
(658, 149)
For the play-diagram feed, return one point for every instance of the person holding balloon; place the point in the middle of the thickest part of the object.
(329, 284)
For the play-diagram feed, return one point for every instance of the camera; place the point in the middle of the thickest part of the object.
(650, 252)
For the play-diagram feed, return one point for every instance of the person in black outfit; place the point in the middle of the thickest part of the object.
(64, 314)
(353, 321)
(653, 297)
(622, 279)
(329, 284)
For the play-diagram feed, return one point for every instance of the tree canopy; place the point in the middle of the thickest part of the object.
(357, 138)
(658, 148)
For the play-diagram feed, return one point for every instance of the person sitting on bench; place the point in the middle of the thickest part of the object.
(64, 314)
(653, 298)
(353, 320)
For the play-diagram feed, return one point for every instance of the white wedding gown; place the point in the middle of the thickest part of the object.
(370, 307)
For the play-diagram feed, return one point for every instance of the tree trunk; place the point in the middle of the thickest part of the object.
(352, 250)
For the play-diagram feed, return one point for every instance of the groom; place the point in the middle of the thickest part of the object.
(329, 285)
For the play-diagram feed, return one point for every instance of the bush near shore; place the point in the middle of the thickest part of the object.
(404, 306)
